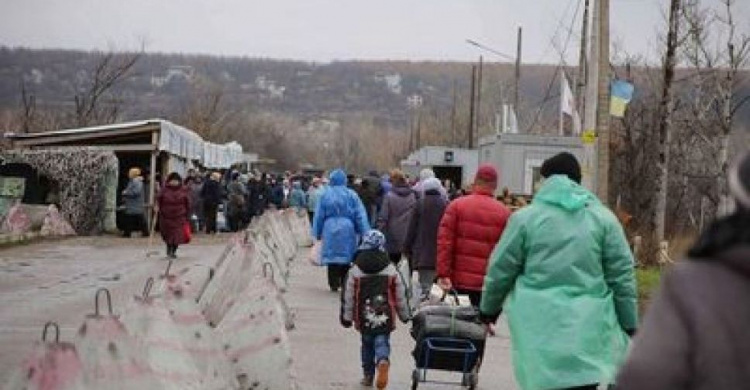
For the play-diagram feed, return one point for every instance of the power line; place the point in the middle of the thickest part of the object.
(560, 22)
(548, 95)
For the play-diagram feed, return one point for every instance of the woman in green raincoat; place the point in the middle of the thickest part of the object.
(566, 275)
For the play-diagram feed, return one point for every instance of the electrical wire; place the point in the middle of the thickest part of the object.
(548, 94)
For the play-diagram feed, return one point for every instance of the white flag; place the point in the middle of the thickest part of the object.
(567, 101)
(512, 120)
(568, 104)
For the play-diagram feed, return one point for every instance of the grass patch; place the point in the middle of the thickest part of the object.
(648, 282)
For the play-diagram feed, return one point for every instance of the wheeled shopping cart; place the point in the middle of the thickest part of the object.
(447, 354)
(448, 338)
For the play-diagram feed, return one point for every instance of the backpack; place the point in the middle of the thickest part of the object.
(374, 310)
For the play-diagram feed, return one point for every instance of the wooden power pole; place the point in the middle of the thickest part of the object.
(478, 109)
(603, 105)
(583, 59)
(518, 71)
(471, 106)
(453, 117)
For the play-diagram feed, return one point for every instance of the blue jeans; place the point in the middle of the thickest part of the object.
(374, 349)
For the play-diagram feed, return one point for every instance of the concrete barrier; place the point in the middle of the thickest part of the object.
(111, 358)
(299, 224)
(52, 364)
(181, 350)
(229, 332)
(280, 237)
(267, 256)
(229, 280)
(254, 332)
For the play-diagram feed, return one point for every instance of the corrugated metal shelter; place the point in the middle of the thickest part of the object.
(155, 144)
(519, 157)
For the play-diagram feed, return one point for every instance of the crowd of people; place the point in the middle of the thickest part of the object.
(560, 269)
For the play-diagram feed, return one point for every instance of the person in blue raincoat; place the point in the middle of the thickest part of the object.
(340, 219)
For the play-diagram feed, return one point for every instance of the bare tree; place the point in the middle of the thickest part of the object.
(206, 112)
(666, 109)
(28, 109)
(91, 105)
(716, 55)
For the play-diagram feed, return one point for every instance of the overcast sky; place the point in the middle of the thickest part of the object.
(324, 30)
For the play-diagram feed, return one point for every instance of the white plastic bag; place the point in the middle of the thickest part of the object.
(315, 253)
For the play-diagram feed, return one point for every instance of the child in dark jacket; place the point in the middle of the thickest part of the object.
(372, 298)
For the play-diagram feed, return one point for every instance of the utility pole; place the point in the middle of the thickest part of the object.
(518, 70)
(471, 106)
(418, 136)
(582, 59)
(411, 129)
(478, 122)
(453, 116)
(589, 163)
(602, 115)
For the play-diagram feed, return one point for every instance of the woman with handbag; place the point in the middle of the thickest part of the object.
(174, 213)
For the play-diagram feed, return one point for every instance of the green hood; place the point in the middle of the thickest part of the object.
(560, 191)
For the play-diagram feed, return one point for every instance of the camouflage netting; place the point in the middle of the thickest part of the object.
(81, 175)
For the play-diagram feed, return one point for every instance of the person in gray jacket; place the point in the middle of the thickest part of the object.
(694, 335)
(374, 294)
(420, 246)
(133, 205)
(395, 214)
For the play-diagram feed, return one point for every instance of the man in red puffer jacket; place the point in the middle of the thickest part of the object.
(469, 231)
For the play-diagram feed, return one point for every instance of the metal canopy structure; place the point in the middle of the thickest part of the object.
(154, 136)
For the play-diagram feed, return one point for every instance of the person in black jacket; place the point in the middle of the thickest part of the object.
(211, 195)
(277, 193)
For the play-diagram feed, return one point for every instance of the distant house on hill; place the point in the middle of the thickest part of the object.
(174, 73)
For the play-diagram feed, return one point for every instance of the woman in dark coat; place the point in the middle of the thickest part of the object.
(694, 335)
(211, 195)
(174, 213)
(420, 246)
(395, 214)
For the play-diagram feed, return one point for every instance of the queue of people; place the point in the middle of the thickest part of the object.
(561, 270)
(184, 206)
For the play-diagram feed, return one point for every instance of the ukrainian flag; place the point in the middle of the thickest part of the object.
(622, 94)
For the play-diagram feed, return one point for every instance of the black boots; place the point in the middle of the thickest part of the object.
(172, 251)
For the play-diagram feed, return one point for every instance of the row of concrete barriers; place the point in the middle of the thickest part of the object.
(227, 332)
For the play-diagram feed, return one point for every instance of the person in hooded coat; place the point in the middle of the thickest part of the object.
(565, 273)
(174, 213)
(394, 218)
(339, 221)
(425, 175)
(694, 334)
(297, 198)
(236, 203)
(313, 196)
(420, 246)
